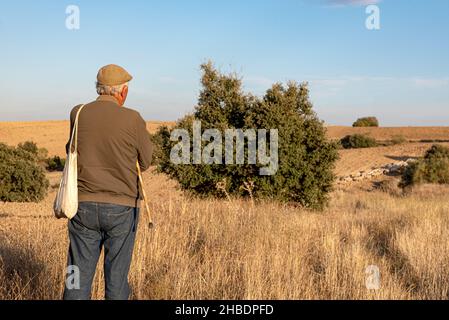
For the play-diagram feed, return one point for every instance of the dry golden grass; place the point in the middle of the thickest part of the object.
(210, 249)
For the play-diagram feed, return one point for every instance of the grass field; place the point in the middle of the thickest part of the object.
(210, 249)
(205, 249)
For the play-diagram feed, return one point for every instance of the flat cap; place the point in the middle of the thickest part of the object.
(113, 75)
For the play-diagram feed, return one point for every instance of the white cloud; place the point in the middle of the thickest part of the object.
(431, 82)
(330, 82)
(333, 85)
(341, 3)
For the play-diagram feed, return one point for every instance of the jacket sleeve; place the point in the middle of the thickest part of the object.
(144, 144)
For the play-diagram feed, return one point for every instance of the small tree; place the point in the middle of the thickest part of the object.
(433, 168)
(55, 164)
(366, 122)
(356, 141)
(306, 157)
(21, 177)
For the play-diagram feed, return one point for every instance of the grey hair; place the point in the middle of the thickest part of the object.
(103, 89)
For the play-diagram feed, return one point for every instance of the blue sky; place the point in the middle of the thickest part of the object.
(399, 73)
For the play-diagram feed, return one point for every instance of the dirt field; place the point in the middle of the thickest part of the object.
(354, 160)
(384, 134)
(53, 136)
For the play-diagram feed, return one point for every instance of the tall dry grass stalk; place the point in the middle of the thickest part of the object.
(204, 249)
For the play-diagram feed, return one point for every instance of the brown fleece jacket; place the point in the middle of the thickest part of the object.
(111, 139)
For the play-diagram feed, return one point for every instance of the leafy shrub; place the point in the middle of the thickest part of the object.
(21, 177)
(306, 157)
(433, 168)
(356, 141)
(29, 146)
(398, 139)
(39, 153)
(437, 152)
(55, 164)
(366, 122)
(42, 154)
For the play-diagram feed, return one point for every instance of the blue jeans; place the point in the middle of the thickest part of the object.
(98, 225)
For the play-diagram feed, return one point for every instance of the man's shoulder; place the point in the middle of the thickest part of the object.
(75, 110)
(132, 112)
(77, 107)
(127, 112)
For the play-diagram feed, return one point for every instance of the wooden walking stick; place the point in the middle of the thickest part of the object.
(147, 208)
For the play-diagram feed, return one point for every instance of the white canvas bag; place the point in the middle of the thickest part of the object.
(66, 202)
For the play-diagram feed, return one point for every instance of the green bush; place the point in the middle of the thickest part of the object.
(30, 147)
(356, 141)
(306, 157)
(42, 154)
(55, 164)
(39, 153)
(398, 139)
(366, 122)
(21, 177)
(433, 168)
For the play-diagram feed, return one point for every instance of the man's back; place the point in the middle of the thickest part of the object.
(110, 141)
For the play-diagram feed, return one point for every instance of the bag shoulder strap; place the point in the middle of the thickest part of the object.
(74, 137)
